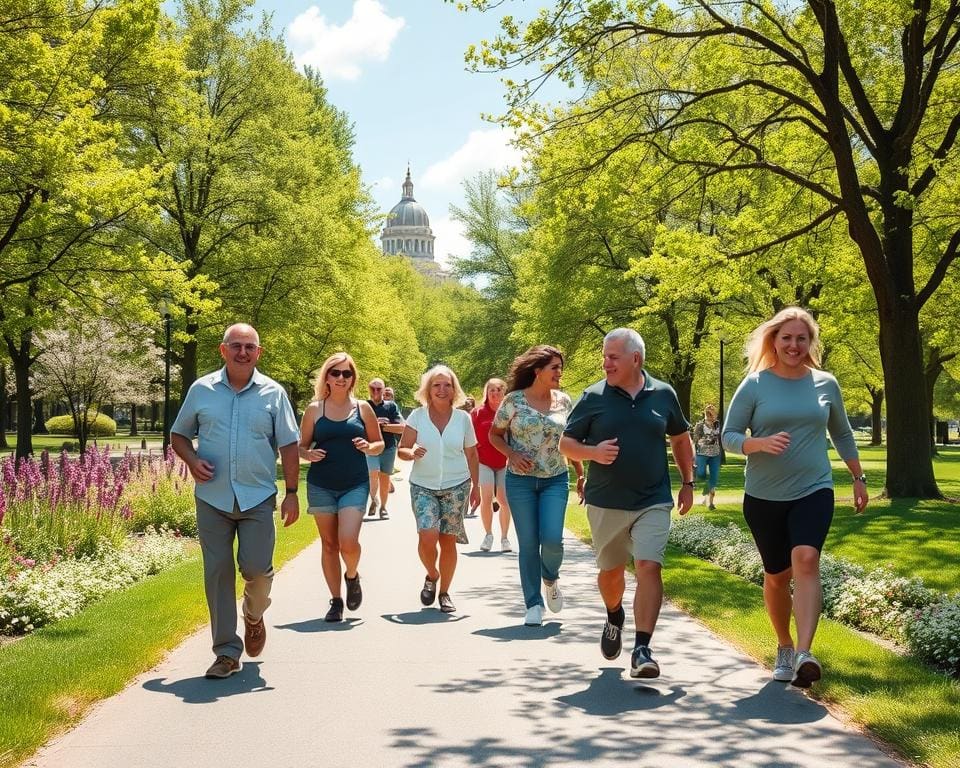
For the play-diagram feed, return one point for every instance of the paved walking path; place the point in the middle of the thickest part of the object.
(398, 685)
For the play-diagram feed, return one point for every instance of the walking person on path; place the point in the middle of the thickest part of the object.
(706, 443)
(440, 441)
(619, 425)
(527, 430)
(337, 433)
(381, 467)
(242, 420)
(493, 465)
(788, 404)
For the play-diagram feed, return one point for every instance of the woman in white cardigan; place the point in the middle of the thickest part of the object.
(444, 482)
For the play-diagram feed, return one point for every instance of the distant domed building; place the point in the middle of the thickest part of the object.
(408, 230)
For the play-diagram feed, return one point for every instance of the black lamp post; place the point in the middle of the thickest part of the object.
(165, 311)
(723, 456)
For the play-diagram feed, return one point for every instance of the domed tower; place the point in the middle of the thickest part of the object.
(408, 227)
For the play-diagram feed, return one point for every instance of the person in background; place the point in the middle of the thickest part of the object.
(492, 467)
(706, 443)
(381, 467)
(619, 425)
(242, 420)
(527, 430)
(389, 397)
(439, 440)
(337, 433)
(788, 404)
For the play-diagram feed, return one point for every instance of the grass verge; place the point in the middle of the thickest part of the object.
(49, 679)
(912, 708)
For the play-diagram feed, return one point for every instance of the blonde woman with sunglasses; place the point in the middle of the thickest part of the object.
(337, 433)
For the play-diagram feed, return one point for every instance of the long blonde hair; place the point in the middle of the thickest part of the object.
(321, 389)
(423, 391)
(760, 351)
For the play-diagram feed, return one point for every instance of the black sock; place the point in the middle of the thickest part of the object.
(617, 616)
(643, 638)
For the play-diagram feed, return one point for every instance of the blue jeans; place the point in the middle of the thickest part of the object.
(538, 506)
(713, 464)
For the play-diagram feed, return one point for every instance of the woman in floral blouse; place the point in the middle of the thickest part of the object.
(706, 442)
(527, 430)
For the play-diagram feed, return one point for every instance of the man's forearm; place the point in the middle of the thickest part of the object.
(290, 461)
(575, 450)
(183, 447)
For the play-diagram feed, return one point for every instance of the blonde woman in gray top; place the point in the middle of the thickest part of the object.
(787, 404)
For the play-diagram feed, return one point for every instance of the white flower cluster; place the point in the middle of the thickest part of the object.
(879, 601)
(43, 595)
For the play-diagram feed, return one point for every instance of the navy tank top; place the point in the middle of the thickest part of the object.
(344, 467)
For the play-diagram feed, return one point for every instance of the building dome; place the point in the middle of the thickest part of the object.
(407, 229)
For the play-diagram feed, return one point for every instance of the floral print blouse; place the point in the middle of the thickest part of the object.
(535, 434)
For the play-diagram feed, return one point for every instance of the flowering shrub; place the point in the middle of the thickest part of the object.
(892, 606)
(42, 594)
(98, 425)
(160, 495)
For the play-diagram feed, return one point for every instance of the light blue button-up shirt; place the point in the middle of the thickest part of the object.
(240, 434)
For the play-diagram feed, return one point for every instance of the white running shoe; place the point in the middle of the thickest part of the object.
(534, 617)
(554, 596)
(806, 670)
(487, 543)
(783, 670)
(505, 545)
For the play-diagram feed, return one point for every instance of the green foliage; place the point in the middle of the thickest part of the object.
(98, 425)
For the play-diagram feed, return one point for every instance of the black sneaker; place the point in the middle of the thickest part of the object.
(429, 592)
(610, 642)
(336, 610)
(354, 593)
(642, 663)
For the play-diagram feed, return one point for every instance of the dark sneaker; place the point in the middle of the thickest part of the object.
(223, 667)
(336, 610)
(383, 514)
(642, 663)
(372, 509)
(610, 642)
(446, 604)
(354, 592)
(429, 592)
(807, 670)
(254, 637)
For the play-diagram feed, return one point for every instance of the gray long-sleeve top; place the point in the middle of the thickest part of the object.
(806, 409)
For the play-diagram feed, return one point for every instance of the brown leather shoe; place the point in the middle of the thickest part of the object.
(254, 637)
(223, 667)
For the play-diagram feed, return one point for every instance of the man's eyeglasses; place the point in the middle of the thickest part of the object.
(337, 373)
(375, 389)
(236, 346)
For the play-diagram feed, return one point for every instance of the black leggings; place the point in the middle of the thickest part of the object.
(779, 526)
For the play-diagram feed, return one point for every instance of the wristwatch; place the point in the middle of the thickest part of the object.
(862, 478)
(291, 491)
(691, 483)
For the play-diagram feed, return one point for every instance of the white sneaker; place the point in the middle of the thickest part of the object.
(487, 543)
(505, 545)
(534, 617)
(704, 500)
(783, 669)
(554, 596)
(806, 670)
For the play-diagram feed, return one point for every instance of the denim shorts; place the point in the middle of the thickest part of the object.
(325, 501)
(384, 462)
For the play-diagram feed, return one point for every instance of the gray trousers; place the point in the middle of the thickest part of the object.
(255, 534)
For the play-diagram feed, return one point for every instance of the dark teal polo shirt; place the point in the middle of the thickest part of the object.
(639, 476)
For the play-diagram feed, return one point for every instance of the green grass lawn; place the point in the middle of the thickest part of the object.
(55, 442)
(913, 538)
(49, 679)
(914, 709)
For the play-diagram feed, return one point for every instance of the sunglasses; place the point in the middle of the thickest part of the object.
(337, 373)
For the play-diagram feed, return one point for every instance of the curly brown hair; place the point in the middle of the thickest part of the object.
(525, 366)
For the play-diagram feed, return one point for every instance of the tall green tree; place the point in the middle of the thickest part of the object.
(876, 89)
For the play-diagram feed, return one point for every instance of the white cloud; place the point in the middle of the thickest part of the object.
(450, 240)
(385, 182)
(338, 51)
(483, 150)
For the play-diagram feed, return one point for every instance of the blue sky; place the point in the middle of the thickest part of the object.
(396, 67)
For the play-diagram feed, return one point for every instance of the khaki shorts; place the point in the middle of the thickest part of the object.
(622, 534)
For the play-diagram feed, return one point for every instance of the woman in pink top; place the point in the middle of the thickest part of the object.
(493, 466)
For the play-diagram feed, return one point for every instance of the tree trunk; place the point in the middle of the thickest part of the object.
(39, 423)
(3, 406)
(909, 463)
(188, 367)
(21, 374)
(876, 416)
(133, 420)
